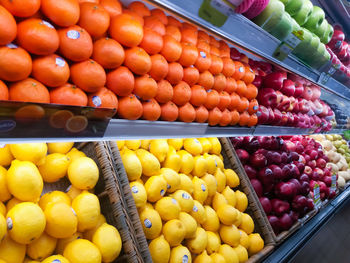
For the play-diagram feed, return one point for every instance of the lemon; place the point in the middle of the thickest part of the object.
(187, 162)
(32, 152)
(25, 222)
(145, 144)
(232, 179)
(218, 258)
(213, 243)
(244, 241)
(168, 208)
(73, 192)
(215, 146)
(242, 201)
(88, 234)
(238, 220)
(11, 251)
(184, 199)
(193, 146)
(200, 166)
(190, 224)
(174, 232)
(203, 258)
(172, 160)
(206, 145)
(176, 143)
(133, 144)
(228, 253)
(120, 144)
(230, 235)
(218, 200)
(180, 254)
(156, 187)
(138, 191)
(200, 192)
(41, 248)
(256, 243)
(160, 250)
(151, 223)
(82, 251)
(172, 178)
(242, 253)
(227, 214)
(87, 209)
(218, 162)
(56, 259)
(54, 167)
(6, 156)
(26, 260)
(198, 212)
(74, 153)
(108, 241)
(4, 192)
(2, 209)
(83, 173)
(54, 197)
(230, 196)
(211, 163)
(212, 223)
(3, 227)
(247, 224)
(186, 183)
(63, 242)
(150, 164)
(24, 181)
(211, 182)
(11, 203)
(221, 180)
(208, 201)
(159, 148)
(132, 165)
(199, 243)
(60, 147)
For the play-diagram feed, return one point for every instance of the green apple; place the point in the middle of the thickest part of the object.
(302, 16)
(321, 30)
(294, 6)
(311, 50)
(316, 19)
(300, 50)
(295, 25)
(283, 28)
(328, 35)
(271, 15)
(285, 2)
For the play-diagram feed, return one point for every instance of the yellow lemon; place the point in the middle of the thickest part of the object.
(63, 242)
(206, 145)
(172, 160)
(193, 146)
(211, 163)
(87, 209)
(218, 258)
(184, 199)
(24, 181)
(133, 144)
(73, 192)
(150, 164)
(232, 179)
(41, 248)
(244, 241)
(230, 235)
(174, 232)
(172, 178)
(200, 192)
(6, 156)
(54, 167)
(247, 224)
(211, 182)
(11, 251)
(186, 183)
(159, 148)
(230, 196)
(32, 152)
(88, 234)
(198, 212)
(187, 162)
(176, 143)
(11, 203)
(108, 241)
(151, 223)
(228, 253)
(26, 260)
(54, 197)
(180, 254)
(2, 209)
(190, 224)
(256, 243)
(3, 227)
(74, 153)
(25, 222)
(213, 243)
(4, 192)
(160, 250)
(200, 166)
(212, 223)
(203, 258)
(208, 201)
(168, 208)
(60, 147)
(54, 258)
(138, 191)
(242, 201)
(145, 144)
(132, 165)
(61, 221)
(218, 162)
(215, 146)
(220, 179)
(83, 173)
(242, 253)
(238, 220)
(199, 243)
(82, 251)
(218, 200)
(120, 144)
(227, 214)
(156, 187)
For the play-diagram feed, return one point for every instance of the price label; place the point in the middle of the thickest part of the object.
(223, 6)
(334, 183)
(324, 76)
(288, 44)
(293, 39)
(317, 199)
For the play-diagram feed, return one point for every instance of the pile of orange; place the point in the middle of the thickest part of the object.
(142, 62)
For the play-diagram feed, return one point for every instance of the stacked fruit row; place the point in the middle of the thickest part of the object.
(139, 61)
(53, 226)
(186, 202)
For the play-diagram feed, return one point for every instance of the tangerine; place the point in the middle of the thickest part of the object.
(29, 90)
(174, 32)
(189, 35)
(139, 8)
(214, 116)
(206, 79)
(203, 45)
(172, 49)
(172, 21)
(239, 70)
(175, 73)
(108, 53)
(251, 92)
(182, 93)
(228, 67)
(136, 16)
(8, 27)
(216, 65)
(189, 54)
(121, 81)
(169, 111)
(164, 92)
(224, 49)
(155, 24)
(151, 110)
(4, 92)
(214, 42)
(235, 101)
(203, 36)
(152, 42)
(137, 60)
(225, 100)
(231, 85)
(145, 87)
(234, 117)
(130, 107)
(226, 118)
(202, 114)
(214, 51)
(244, 119)
(253, 120)
(103, 98)
(113, 7)
(191, 75)
(159, 69)
(253, 106)
(241, 88)
(213, 99)
(68, 94)
(203, 61)
(63, 13)
(219, 82)
(198, 95)
(160, 15)
(187, 113)
(21, 8)
(249, 75)
(243, 104)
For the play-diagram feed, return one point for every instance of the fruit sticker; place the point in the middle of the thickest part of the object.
(185, 259)
(96, 100)
(203, 187)
(60, 62)
(47, 24)
(148, 223)
(162, 192)
(185, 196)
(9, 223)
(174, 201)
(73, 34)
(203, 55)
(134, 189)
(195, 208)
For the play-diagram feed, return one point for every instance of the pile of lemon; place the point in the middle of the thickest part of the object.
(185, 200)
(55, 226)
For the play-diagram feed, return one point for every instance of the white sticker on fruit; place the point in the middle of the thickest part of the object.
(195, 208)
(241, 69)
(47, 24)
(12, 46)
(60, 62)
(168, 186)
(148, 223)
(185, 259)
(73, 34)
(185, 196)
(9, 223)
(162, 192)
(173, 201)
(57, 260)
(96, 100)
(222, 7)
(203, 187)
(134, 189)
(203, 55)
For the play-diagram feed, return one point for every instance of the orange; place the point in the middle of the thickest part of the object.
(214, 51)
(154, 23)
(241, 88)
(172, 21)
(130, 107)
(145, 87)
(187, 113)
(121, 81)
(8, 27)
(152, 42)
(213, 99)
(203, 45)
(206, 79)
(214, 116)
(224, 49)
(76, 124)
(160, 15)
(203, 61)
(253, 106)
(251, 92)
(151, 110)
(189, 54)
(159, 69)
(4, 92)
(219, 82)
(198, 95)
(169, 111)
(94, 19)
(234, 117)
(203, 36)
(182, 93)
(174, 32)
(214, 42)
(29, 90)
(175, 73)
(239, 70)
(59, 119)
(249, 75)
(253, 120)
(68, 94)
(136, 16)
(139, 8)
(228, 67)
(30, 113)
(202, 114)
(235, 101)
(103, 98)
(137, 60)
(21, 8)
(172, 49)
(225, 100)
(113, 7)
(226, 118)
(108, 53)
(189, 35)
(231, 85)
(244, 119)
(164, 92)
(243, 104)
(126, 30)
(216, 65)
(191, 75)
(63, 13)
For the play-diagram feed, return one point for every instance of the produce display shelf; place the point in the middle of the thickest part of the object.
(286, 250)
(243, 33)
